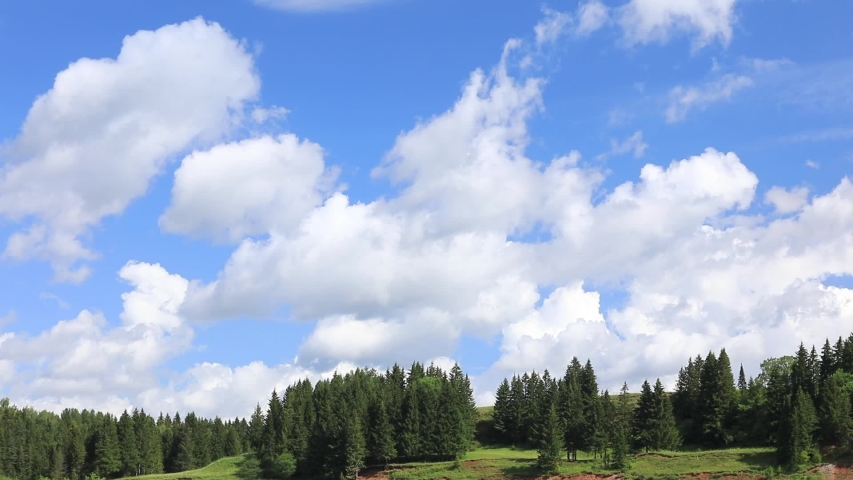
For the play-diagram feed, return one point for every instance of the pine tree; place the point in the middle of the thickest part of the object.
(643, 421)
(107, 453)
(828, 365)
(256, 429)
(665, 434)
(128, 446)
(551, 445)
(571, 410)
(501, 414)
(621, 431)
(741, 381)
(355, 449)
(798, 446)
(835, 421)
(382, 446)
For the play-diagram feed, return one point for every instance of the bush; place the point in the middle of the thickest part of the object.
(282, 467)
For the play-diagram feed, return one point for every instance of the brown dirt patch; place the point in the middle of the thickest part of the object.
(833, 472)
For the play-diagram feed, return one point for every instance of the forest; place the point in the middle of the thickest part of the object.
(337, 427)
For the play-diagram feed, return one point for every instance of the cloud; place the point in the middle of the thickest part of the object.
(825, 135)
(682, 100)
(86, 356)
(92, 143)
(56, 298)
(787, 201)
(706, 21)
(313, 6)
(812, 164)
(633, 144)
(273, 183)
(590, 17)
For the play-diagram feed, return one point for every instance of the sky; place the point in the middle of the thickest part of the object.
(204, 200)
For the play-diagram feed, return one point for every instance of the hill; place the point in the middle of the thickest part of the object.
(507, 463)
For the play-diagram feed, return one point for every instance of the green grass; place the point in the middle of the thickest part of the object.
(501, 463)
(222, 469)
(506, 462)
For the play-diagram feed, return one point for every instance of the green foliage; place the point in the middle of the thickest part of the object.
(551, 444)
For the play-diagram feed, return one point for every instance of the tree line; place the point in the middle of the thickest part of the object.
(78, 444)
(342, 424)
(796, 404)
(569, 414)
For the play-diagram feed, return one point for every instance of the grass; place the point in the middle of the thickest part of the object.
(222, 469)
(495, 463)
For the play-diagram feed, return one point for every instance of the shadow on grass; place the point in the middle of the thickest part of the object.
(759, 461)
(528, 468)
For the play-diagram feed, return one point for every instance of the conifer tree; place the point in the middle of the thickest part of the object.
(355, 448)
(643, 419)
(128, 446)
(665, 434)
(107, 453)
(550, 446)
(797, 446)
(501, 414)
(382, 445)
(621, 431)
(835, 421)
(828, 365)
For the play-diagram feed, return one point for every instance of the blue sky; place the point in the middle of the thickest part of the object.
(306, 185)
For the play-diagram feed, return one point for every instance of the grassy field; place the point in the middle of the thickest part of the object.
(504, 463)
(222, 469)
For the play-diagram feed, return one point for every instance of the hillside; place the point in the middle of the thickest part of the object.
(508, 463)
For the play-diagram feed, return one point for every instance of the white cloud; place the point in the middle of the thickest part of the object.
(590, 17)
(706, 21)
(272, 183)
(553, 26)
(829, 134)
(787, 201)
(261, 114)
(682, 100)
(633, 144)
(812, 164)
(315, 5)
(92, 143)
(87, 357)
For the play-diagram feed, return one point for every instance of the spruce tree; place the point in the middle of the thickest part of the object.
(665, 434)
(107, 454)
(128, 446)
(382, 446)
(643, 419)
(355, 448)
(834, 411)
(501, 414)
(550, 447)
(798, 447)
(621, 429)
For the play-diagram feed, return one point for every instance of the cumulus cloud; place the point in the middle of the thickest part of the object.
(705, 21)
(315, 5)
(92, 143)
(85, 356)
(272, 183)
(682, 100)
(787, 201)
